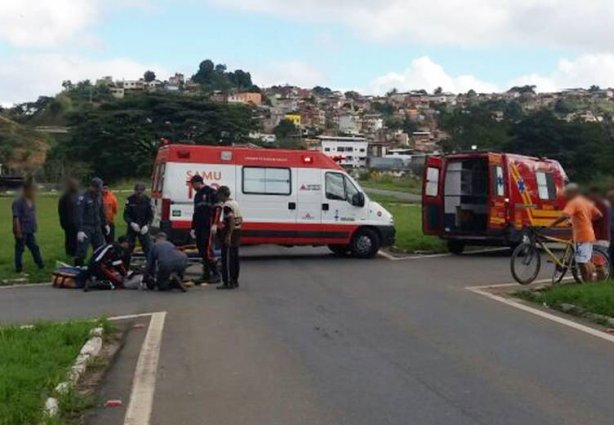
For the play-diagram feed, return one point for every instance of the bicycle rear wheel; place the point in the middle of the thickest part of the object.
(525, 263)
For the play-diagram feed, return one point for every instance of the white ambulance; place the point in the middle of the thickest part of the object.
(286, 197)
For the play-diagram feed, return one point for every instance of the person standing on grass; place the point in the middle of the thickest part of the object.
(230, 237)
(67, 210)
(109, 200)
(581, 212)
(90, 219)
(25, 226)
(138, 214)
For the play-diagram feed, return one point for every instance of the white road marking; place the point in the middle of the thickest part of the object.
(480, 290)
(144, 382)
(444, 254)
(412, 257)
(133, 316)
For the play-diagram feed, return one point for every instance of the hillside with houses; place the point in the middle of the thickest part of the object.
(217, 106)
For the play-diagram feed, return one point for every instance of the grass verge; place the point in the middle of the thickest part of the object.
(398, 184)
(597, 298)
(34, 361)
(408, 223)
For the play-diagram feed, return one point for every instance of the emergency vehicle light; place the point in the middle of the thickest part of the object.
(226, 156)
(307, 159)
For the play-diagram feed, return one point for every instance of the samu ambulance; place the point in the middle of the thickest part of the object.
(287, 197)
(488, 198)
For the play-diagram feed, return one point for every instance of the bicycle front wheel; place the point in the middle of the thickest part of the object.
(525, 263)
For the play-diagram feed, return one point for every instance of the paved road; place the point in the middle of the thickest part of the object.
(312, 339)
(401, 196)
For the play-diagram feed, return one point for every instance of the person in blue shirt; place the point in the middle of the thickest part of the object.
(25, 226)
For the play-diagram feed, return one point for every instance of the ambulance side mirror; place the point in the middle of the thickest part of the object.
(358, 200)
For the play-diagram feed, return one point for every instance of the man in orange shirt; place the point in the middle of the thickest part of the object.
(581, 212)
(109, 202)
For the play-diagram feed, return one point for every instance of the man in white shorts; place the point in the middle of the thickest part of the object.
(581, 212)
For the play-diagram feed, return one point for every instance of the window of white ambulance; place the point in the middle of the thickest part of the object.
(337, 208)
(267, 194)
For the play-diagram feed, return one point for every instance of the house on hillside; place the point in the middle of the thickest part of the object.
(352, 151)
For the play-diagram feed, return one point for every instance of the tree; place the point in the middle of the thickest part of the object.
(321, 91)
(438, 91)
(119, 139)
(149, 76)
(285, 130)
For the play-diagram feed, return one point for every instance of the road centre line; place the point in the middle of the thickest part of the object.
(480, 290)
(144, 381)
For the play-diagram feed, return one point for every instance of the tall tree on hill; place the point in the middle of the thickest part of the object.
(119, 139)
(149, 76)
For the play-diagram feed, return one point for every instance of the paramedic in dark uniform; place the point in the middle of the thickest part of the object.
(230, 236)
(109, 265)
(138, 214)
(204, 226)
(90, 220)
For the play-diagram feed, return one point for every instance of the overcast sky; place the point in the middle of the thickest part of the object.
(366, 45)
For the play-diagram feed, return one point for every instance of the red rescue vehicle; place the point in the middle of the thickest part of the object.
(287, 197)
(487, 198)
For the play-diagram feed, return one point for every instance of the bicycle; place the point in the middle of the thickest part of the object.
(526, 258)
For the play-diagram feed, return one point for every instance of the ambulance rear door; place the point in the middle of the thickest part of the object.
(498, 202)
(432, 196)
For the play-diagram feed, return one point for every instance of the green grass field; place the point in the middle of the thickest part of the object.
(50, 237)
(399, 184)
(34, 361)
(596, 297)
(408, 223)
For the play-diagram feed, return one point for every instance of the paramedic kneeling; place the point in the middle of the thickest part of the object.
(108, 266)
(165, 265)
(581, 212)
(230, 237)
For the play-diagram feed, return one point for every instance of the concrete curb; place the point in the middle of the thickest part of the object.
(577, 311)
(90, 349)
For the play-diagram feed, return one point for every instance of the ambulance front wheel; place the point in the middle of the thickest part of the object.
(456, 247)
(365, 243)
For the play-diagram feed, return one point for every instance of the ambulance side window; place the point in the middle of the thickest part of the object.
(339, 187)
(160, 180)
(545, 185)
(432, 181)
(335, 186)
(267, 181)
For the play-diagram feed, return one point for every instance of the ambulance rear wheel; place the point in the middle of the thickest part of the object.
(456, 247)
(339, 250)
(365, 243)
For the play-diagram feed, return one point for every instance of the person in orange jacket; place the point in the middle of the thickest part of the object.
(109, 200)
